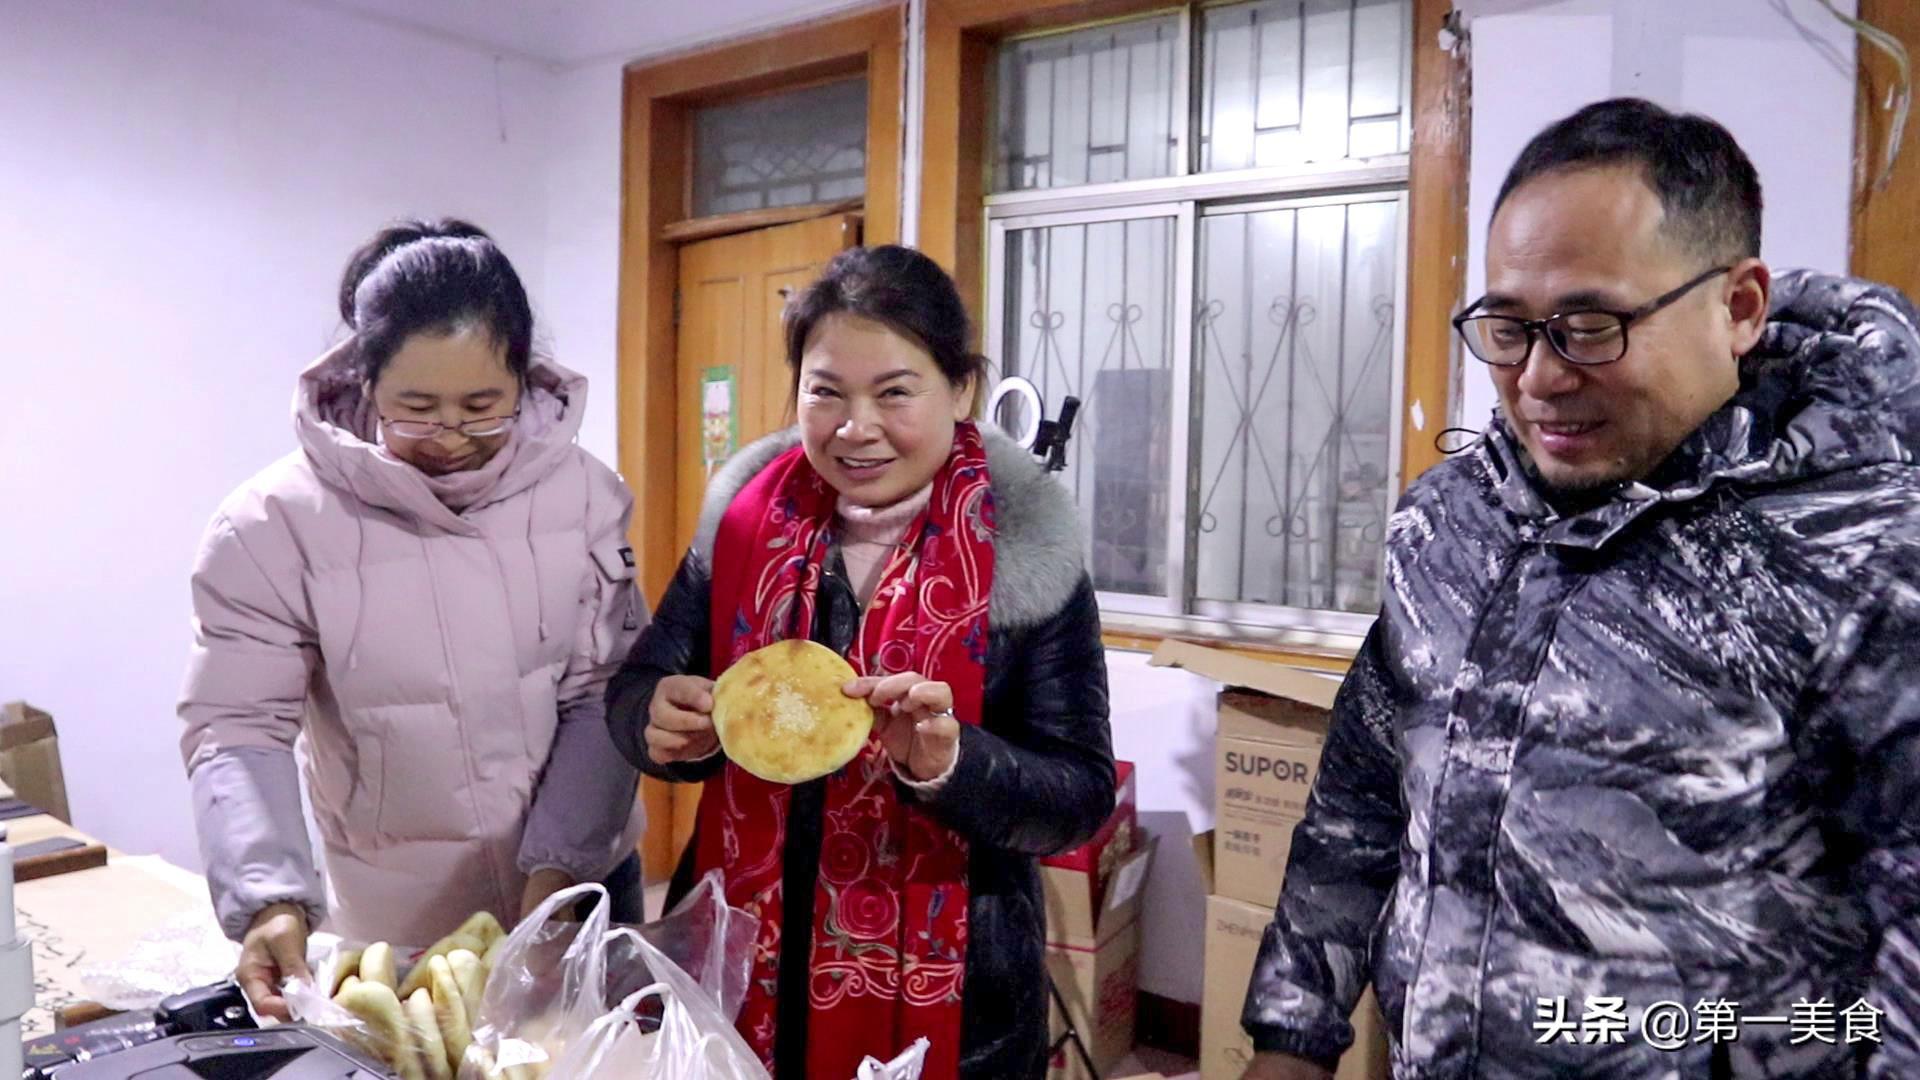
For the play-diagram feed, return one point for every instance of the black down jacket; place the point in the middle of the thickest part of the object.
(1034, 778)
(1652, 769)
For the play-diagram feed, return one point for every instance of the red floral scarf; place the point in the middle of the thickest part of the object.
(890, 904)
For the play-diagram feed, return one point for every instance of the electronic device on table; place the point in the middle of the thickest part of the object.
(286, 1052)
(203, 1034)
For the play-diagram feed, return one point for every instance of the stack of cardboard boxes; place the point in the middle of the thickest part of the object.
(1093, 898)
(1273, 722)
(30, 759)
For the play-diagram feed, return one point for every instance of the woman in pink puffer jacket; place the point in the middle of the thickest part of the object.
(422, 605)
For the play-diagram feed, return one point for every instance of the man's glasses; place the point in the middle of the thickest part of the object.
(1580, 337)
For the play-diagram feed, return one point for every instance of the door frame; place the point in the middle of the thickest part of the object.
(1885, 237)
(658, 98)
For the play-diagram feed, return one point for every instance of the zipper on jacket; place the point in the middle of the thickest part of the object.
(455, 702)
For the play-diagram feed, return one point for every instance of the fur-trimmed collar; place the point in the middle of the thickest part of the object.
(1037, 551)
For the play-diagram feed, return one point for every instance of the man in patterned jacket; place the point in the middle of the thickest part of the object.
(1626, 779)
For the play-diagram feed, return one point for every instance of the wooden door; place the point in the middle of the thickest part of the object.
(732, 291)
(733, 387)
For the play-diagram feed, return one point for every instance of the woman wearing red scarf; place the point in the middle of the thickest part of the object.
(898, 897)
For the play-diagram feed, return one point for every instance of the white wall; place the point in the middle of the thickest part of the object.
(1164, 721)
(1777, 73)
(580, 295)
(180, 184)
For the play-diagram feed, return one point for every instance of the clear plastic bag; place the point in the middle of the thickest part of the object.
(309, 1000)
(555, 981)
(547, 987)
(686, 1037)
(905, 1067)
(185, 951)
(615, 1044)
(435, 1032)
(550, 982)
(421, 1037)
(703, 937)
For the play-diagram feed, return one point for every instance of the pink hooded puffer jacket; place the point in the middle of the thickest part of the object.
(440, 673)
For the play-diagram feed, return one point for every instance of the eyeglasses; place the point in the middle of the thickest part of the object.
(477, 428)
(1587, 338)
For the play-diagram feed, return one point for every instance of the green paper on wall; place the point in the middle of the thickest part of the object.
(719, 427)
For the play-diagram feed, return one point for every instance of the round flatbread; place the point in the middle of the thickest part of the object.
(781, 716)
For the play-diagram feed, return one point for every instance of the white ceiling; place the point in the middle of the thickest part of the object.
(570, 33)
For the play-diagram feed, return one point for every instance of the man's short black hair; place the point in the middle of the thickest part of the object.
(1705, 182)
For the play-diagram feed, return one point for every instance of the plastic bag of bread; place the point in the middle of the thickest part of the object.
(672, 1029)
(414, 1037)
(553, 981)
(545, 986)
(411, 1008)
(484, 1004)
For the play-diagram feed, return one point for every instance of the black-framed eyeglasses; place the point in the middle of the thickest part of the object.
(1587, 338)
(479, 427)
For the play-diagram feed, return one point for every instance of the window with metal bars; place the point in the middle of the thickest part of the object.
(1197, 227)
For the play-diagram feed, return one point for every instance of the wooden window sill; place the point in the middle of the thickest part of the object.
(1316, 656)
(706, 228)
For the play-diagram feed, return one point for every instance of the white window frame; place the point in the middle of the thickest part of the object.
(1186, 199)
(1182, 215)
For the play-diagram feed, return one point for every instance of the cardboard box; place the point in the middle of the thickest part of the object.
(1101, 989)
(1087, 891)
(1100, 984)
(30, 759)
(1234, 930)
(1083, 910)
(1273, 724)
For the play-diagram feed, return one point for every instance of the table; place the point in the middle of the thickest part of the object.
(89, 917)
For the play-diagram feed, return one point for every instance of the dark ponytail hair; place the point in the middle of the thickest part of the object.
(901, 289)
(419, 277)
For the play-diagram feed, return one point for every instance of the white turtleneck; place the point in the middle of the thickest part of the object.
(869, 535)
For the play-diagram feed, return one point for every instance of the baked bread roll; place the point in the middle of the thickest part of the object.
(387, 1034)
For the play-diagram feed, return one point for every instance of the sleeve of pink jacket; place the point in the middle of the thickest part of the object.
(578, 821)
(245, 693)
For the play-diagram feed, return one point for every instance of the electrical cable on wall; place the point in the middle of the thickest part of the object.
(1899, 96)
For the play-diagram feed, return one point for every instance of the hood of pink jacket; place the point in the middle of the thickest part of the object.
(337, 427)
